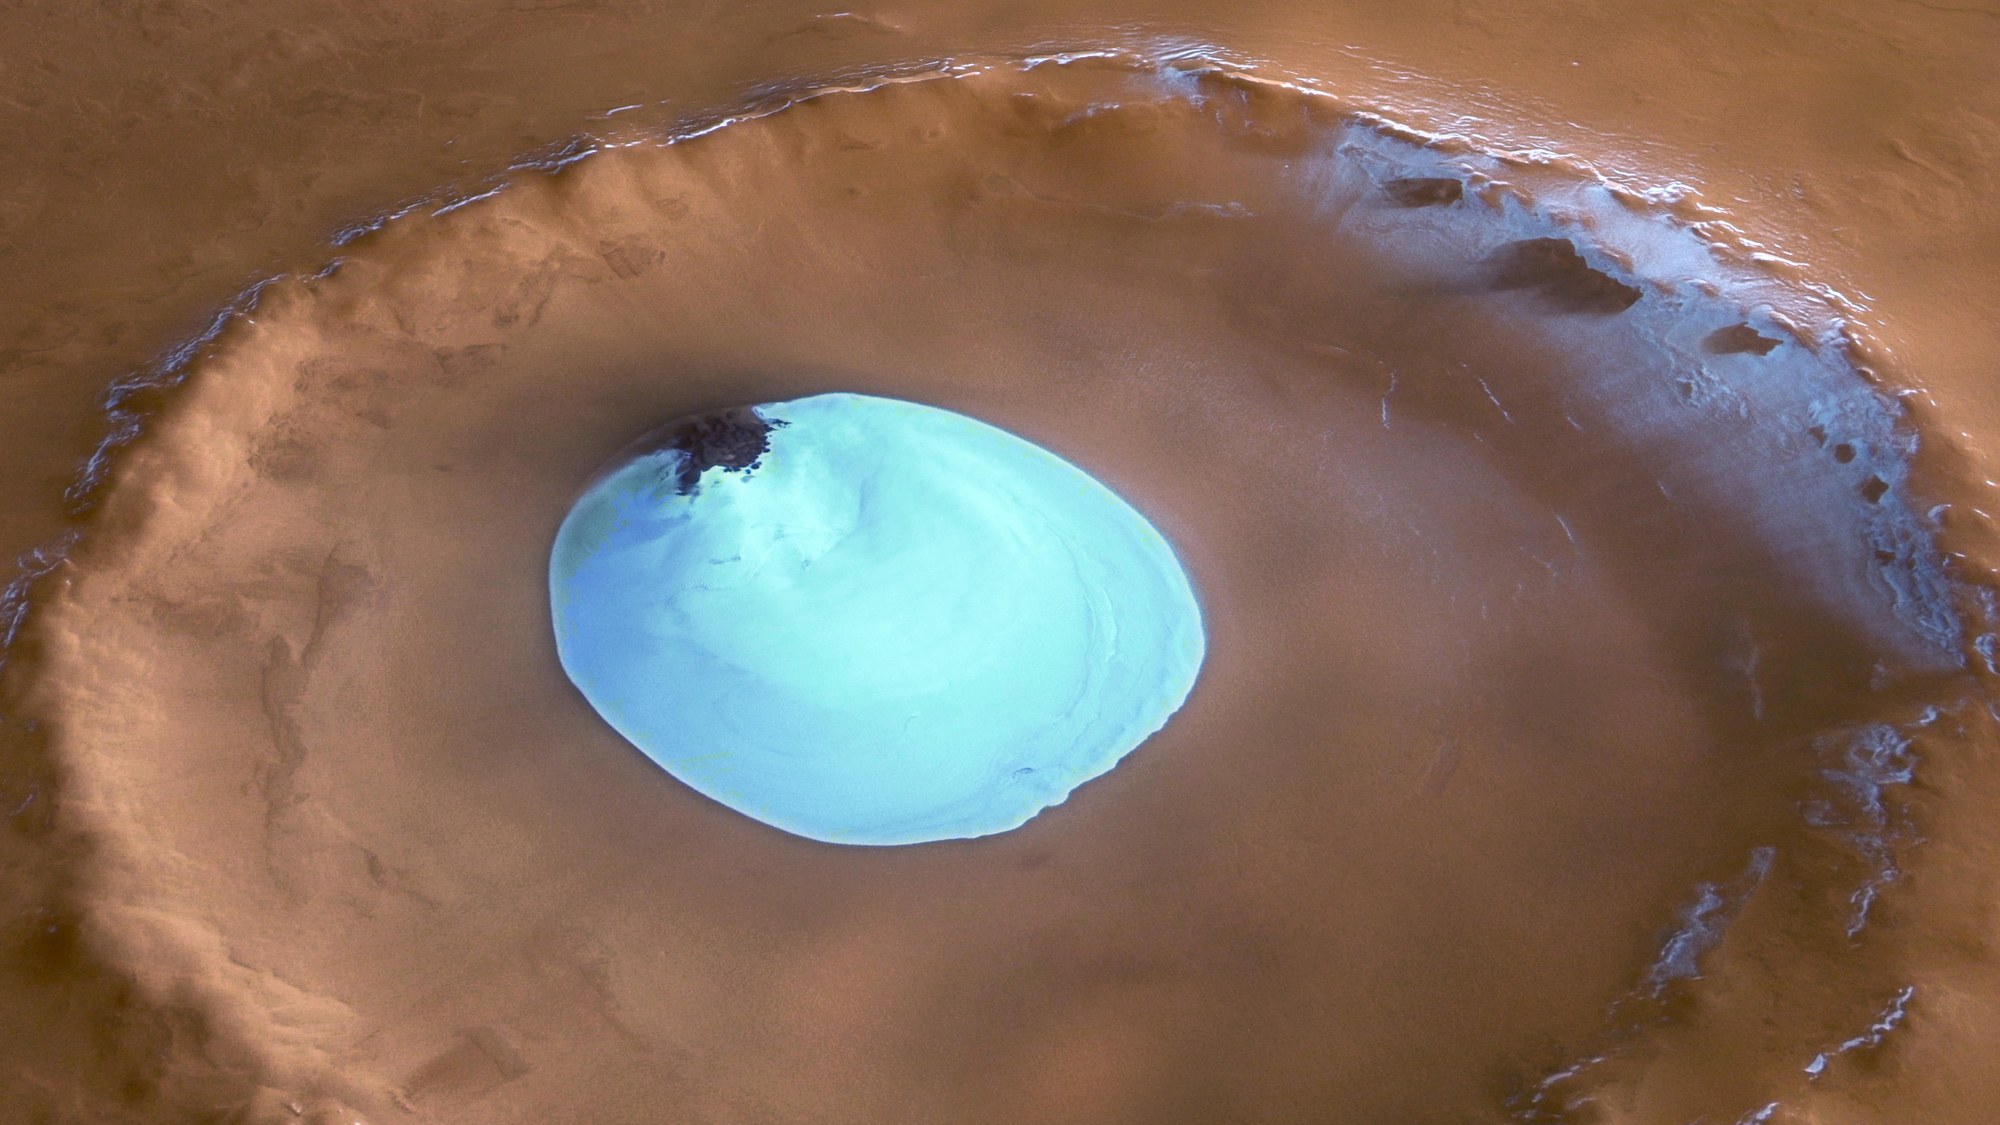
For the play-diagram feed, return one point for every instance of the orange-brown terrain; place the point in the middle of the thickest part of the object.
(1577, 420)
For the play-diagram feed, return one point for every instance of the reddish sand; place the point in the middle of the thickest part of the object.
(1534, 772)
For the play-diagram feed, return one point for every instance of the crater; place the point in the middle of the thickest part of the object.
(1537, 649)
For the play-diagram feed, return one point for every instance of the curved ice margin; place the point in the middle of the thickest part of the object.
(1703, 922)
(1658, 239)
(1800, 381)
(863, 620)
(1858, 767)
(1698, 930)
(1870, 1038)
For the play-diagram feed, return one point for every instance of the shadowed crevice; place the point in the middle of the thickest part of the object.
(1559, 278)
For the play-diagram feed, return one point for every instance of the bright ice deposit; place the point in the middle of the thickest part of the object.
(897, 625)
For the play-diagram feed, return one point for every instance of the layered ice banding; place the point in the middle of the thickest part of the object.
(868, 621)
(1549, 551)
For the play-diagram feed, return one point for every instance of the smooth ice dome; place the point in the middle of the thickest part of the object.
(868, 621)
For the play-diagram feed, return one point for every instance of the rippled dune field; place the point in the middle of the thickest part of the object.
(1580, 468)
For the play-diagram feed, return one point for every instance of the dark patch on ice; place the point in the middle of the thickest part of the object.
(1424, 191)
(1559, 277)
(1738, 339)
(1873, 488)
(733, 439)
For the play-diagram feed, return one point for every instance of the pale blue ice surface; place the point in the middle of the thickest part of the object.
(903, 625)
